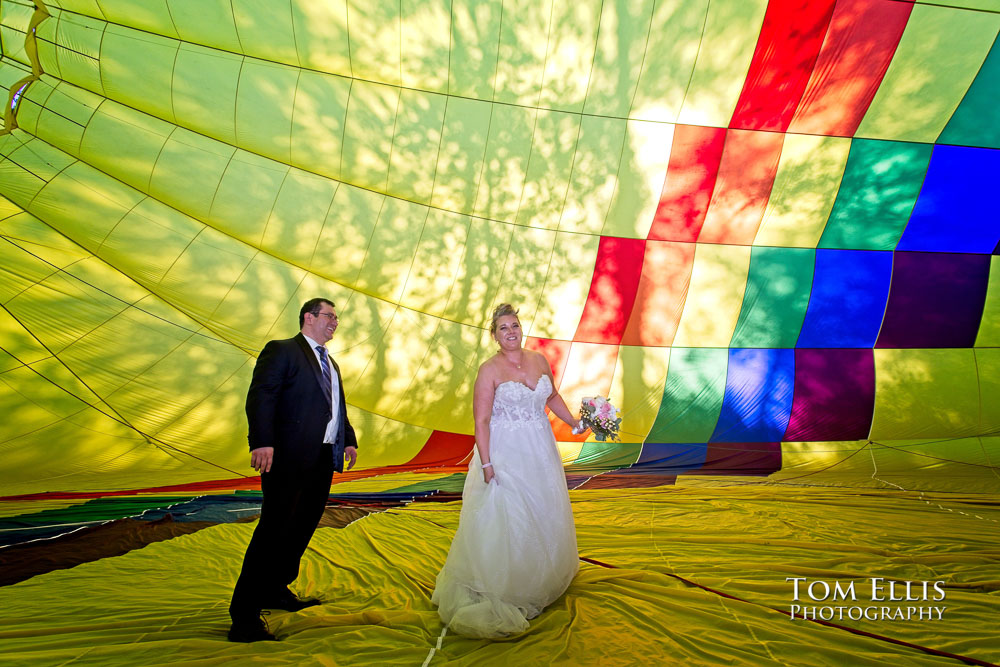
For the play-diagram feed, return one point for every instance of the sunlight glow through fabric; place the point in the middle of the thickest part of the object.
(767, 230)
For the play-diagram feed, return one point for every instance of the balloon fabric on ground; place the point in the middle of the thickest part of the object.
(766, 230)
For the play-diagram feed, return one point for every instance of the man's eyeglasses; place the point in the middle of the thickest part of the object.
(330, 316)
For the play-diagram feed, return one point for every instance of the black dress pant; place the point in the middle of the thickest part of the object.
(293, 504)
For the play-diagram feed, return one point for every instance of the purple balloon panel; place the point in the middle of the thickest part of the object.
(834, 395)
(741, 458)
(935, 300)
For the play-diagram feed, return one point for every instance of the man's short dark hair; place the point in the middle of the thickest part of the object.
(312, 306)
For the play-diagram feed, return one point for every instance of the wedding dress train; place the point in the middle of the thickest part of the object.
(515, 548)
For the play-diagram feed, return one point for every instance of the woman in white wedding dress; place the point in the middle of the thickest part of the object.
(515, 548)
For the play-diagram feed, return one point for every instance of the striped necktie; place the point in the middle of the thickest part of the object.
(327, 375)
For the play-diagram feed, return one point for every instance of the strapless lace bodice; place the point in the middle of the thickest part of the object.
(515, 405)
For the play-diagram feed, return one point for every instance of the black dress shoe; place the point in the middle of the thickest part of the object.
(250, 630)
(290, 602)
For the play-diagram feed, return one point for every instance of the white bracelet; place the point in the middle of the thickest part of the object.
(487, 465)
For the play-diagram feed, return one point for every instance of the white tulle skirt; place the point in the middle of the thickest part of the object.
(515, 548)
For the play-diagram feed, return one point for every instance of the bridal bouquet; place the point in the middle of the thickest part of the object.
(601, 417)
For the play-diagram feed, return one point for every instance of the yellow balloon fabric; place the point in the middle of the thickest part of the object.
(627, 175)
(766, 230)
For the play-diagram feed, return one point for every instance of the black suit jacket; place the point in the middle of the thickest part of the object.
(286, 408)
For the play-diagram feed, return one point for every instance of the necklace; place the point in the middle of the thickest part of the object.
(517, 366)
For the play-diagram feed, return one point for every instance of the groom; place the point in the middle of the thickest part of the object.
(299, 435)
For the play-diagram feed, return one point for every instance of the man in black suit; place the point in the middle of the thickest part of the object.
(299, 435)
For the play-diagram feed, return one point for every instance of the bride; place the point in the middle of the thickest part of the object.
(515, 548)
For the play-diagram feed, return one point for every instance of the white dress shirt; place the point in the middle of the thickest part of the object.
(334, 423)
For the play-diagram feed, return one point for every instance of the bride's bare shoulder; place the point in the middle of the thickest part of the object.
(540, 360)
(489, 368)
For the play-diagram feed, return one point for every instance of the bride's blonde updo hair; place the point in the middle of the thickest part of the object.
(500, 311)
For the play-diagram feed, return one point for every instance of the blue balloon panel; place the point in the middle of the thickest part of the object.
(849, 292)
(679, 457)
(758, 399)
(957, 210)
